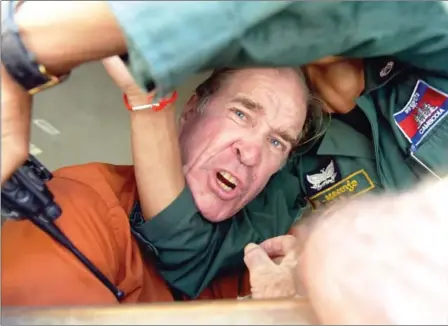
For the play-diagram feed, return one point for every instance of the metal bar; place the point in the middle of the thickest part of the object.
(213, 312)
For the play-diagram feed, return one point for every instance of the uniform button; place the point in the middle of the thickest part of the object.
(387, 69)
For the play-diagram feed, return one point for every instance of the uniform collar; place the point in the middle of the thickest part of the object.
(342, 140)
(379, 71)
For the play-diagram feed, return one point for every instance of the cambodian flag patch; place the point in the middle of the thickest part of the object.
(424, 110)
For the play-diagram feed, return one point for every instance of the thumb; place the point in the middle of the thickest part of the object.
(255, 257)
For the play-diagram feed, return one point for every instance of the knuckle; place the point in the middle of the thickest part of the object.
(289, 237)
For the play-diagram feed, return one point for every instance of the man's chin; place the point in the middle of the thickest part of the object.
(215, 215)
(213, 209)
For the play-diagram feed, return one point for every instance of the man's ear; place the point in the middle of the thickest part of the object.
(190, 110)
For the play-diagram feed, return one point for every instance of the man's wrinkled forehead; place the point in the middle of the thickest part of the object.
(278, 94)
(288, 134)
(280, 86)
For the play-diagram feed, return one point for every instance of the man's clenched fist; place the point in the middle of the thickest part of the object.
(273, 267)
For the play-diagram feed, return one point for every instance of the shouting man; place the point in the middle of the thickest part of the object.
(235, 133)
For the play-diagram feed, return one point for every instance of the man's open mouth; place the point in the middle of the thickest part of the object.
(226, 181)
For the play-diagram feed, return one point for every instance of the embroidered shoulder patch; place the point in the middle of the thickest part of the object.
(353, 185)
(426, 107)
(321, 178)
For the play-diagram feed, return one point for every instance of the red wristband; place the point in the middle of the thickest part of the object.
(164, 102)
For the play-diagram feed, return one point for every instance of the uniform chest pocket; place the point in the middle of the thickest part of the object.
(340, 178)
(431, 156)
(424, 123)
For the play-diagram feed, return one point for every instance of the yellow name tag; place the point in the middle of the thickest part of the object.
(353, 185)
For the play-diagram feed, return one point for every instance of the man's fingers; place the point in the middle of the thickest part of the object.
(115, 67)
(255, 257)
(120, 74)
(279, 246)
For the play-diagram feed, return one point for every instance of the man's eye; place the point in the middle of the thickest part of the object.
(239, 114)
(276, 143)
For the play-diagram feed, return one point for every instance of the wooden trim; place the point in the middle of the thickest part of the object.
(216, 312)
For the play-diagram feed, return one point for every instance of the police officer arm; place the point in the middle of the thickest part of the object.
(279, 33)
(91, 27)
(156, 154)
(44, 29)
(155, 148)
(237, 34)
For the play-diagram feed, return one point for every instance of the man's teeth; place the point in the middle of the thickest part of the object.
(229, 177)
(228, 182)
(224, 186)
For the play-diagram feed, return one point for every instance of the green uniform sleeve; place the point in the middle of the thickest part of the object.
(167, 45)
(191, 251)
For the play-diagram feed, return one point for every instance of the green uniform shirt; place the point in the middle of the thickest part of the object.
(405, 108)
(191, 251)
(404, 103)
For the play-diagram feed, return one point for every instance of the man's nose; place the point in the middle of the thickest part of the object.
(248, 152)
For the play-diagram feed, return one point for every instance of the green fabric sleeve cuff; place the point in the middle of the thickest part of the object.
(162, 226)
(168, 44)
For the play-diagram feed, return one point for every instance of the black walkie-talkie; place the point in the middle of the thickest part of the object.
(25, 193)
(26, 196)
